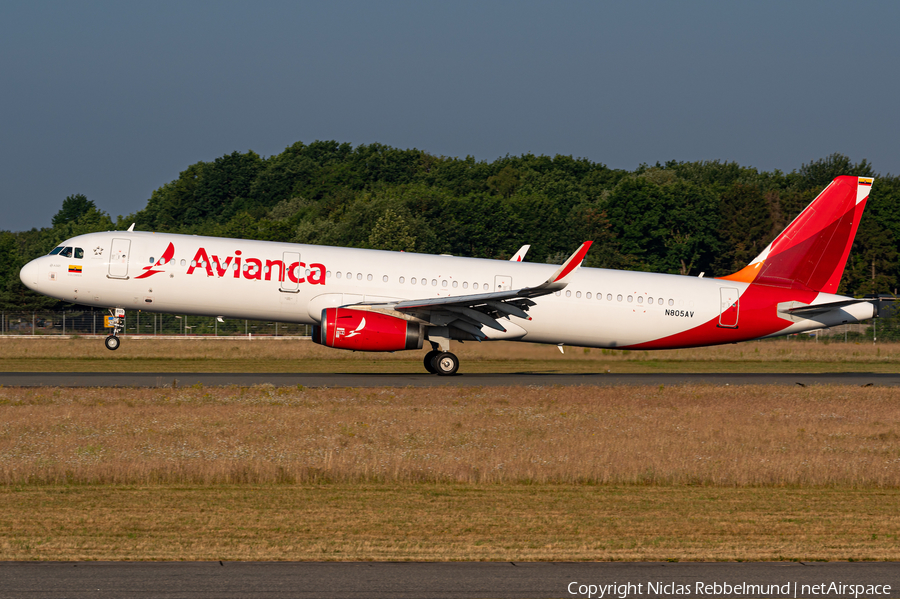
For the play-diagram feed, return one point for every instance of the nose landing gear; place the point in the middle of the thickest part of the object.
(112, 342)
(117, 322)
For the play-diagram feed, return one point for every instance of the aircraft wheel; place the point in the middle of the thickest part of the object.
(112, 342)
(446, 364)
(429, 361)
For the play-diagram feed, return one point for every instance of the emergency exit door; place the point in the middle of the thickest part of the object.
(292, 274)
(728, 307)
(118, 258)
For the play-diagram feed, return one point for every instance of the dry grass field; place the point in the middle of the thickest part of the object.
(686, 435)
(514, 473)
(437, 522)
(36, 354)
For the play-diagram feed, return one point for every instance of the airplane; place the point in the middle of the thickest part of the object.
(373, 300)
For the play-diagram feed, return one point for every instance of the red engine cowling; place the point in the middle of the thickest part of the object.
(359, 330)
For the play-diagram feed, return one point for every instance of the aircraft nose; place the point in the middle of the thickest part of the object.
(30, 274)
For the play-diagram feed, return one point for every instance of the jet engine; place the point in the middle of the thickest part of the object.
(361, 330)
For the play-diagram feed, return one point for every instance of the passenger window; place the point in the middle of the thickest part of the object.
(402, 280)
(79, 253)
(368, 277)
(444, 283)
(619, 297)
(349, 275)
(640, 299)
(630, 299)
(587, 295)
(455, 284)
(577, 294)
(474, 285)
(327, 272)
(434, 282)
(384, 278)
(649, 300)
(465, 285)
(568, 294)
(412, 280)
(66, 253)
(671, 302)
(183, 262)
(338, 274)
(608, 297)
(55, 251)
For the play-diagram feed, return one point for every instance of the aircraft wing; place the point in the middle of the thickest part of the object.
(471, 312)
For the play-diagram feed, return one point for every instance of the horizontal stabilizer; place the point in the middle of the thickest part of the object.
(810, 310)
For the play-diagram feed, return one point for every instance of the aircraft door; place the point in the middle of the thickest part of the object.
(728, 307)
(502, 283)
(118, 258)
(292, 272)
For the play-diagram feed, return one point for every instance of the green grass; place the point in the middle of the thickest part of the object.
(284, 355)
(423, 522)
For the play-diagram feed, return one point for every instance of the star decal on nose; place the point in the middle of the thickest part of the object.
(98, 251)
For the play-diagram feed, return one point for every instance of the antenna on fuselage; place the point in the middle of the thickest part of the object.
(131, 228)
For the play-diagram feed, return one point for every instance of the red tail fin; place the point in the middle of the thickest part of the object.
(812, 251)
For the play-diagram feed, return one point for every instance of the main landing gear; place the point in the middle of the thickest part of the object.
(117, 322)
(442, 363)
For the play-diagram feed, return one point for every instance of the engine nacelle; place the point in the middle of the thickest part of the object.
(360, 330)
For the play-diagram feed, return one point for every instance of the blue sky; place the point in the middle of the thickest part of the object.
(114, 99)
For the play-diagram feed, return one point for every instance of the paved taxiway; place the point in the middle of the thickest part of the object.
(180, 379)
(99, 580)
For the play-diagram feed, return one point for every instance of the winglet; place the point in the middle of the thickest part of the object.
(520, 255)
(570, 265)
(560, 278)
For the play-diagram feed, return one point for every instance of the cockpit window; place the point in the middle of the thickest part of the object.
(79, 253)
(55, 251)
(66, 252)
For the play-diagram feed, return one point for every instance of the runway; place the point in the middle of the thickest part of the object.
(99, 580)
(281, 379)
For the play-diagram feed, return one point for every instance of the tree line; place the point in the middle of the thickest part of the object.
(678, 217)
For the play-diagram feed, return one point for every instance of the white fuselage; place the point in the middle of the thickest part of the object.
(230, 278)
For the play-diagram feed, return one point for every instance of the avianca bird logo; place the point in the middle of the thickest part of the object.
(150, 270)
(358, 329)
(341, 332)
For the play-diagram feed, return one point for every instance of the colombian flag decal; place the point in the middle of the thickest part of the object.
(75, 268)
(867, 182)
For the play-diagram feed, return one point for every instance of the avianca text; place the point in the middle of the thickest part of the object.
(255, 268)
